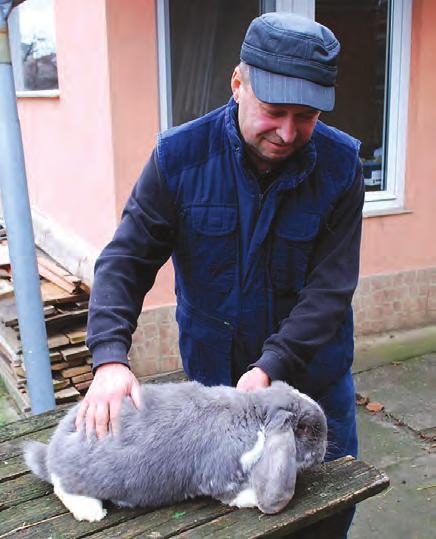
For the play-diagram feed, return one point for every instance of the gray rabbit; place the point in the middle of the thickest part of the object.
(187, 440)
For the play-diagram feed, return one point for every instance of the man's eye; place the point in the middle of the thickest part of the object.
(308, 116)
(273, 113)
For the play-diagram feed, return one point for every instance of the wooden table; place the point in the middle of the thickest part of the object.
(29, 509)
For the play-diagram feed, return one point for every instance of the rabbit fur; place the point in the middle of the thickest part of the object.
(242, 448)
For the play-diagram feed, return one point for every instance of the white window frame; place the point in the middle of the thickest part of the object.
(164, 63)
(397, 99)
(15, 44)
(391, 199)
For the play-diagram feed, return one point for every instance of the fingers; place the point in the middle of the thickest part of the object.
(90, 420)
(114, 412)
(136, 393)
(254, 379)
(101, 417)
(81, 414)
(102, 403)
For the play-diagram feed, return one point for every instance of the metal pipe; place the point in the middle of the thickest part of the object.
(16, 207)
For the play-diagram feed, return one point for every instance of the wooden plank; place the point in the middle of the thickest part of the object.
(32, 424)
(4, 255)
(77, 337)
(55, 295)
(61, 383)
(61, 526)
(320, 493)
(56, 341)
(28, 513)
(24, 488)
(57, 269)
(6, 289)
(167, 522)
(55, 357)
(56, 275)
(75, 371)
(52, 277)
(66, 395)
(13, 448)
(74, 352)
(62, 320)
(58, 367)
(12, 468)
(82, 378)
(83, 386)
(123, 523)
(175, 376)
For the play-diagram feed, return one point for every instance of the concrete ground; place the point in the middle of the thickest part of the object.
(401, 440)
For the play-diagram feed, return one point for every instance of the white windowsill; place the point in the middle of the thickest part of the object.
(383, 212)
(38, 93)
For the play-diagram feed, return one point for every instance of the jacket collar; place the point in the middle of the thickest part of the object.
(295, 169)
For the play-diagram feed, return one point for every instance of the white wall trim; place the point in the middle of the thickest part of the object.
(38, 93)
(164, 63)
(302, 7)
(67, 248)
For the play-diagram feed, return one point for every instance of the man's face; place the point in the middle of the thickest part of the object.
(272, 133)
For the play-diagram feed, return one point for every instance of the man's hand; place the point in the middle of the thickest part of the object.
(102, 403)
(253, 379)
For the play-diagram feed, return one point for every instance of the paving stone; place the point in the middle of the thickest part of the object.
(406, 389)
(407, 509)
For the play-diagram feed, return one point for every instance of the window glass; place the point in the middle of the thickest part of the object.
(362, 29)
(205, 41)
(33, 46)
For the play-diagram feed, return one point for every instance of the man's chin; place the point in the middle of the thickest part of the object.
(276, 158)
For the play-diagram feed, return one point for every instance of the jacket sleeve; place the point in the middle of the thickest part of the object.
(126, 269)
(323, 302)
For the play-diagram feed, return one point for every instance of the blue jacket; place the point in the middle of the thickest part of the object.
(262, 279)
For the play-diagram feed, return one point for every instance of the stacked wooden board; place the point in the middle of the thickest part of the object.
(65, 299)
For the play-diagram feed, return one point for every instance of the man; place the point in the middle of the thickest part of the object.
(260, 205)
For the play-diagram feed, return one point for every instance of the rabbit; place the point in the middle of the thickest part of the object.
(186, 440)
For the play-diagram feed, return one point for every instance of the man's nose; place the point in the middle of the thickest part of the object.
(287, 130)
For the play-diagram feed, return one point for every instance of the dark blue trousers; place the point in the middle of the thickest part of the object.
(338, 402)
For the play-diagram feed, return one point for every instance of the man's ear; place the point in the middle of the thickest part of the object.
(235, 83)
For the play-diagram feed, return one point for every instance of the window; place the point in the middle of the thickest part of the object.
(372, 88)
(199, 42)
(202, 40)
(33, 47)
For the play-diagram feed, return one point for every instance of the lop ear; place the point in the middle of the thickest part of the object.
(280, 420)
(273, 476)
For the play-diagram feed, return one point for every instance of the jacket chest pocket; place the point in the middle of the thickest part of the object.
(210, 245)
(292, 245)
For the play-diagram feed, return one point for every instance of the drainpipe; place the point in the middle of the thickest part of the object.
(16, 207)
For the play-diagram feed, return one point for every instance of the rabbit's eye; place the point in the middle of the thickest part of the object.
(304, 429)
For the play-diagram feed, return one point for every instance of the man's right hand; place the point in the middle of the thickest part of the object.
(101, 405)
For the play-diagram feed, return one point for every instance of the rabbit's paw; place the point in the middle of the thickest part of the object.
(82, 507)
(245, 498)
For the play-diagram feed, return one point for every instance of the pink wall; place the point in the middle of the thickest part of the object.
(68, 140)
(132, 43)
(402, 242)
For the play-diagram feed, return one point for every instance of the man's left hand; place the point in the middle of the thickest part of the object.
(254, 379)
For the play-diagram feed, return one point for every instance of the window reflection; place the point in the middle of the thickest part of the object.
(33, 46)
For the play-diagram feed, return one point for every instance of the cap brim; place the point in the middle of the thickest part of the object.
(275, 88)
